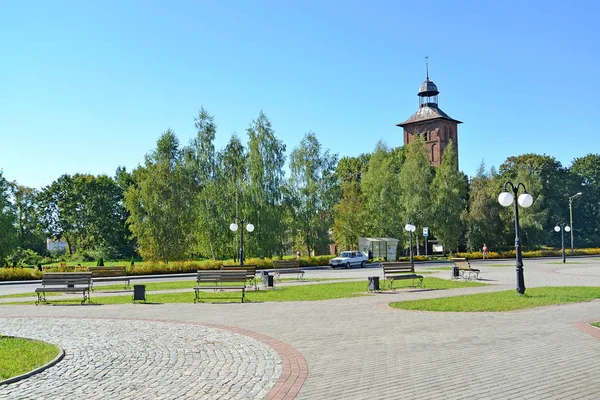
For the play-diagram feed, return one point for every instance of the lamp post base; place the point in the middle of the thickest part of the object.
(520, 280)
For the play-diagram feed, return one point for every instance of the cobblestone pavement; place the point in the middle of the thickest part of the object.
(359, 348)
(133, 359)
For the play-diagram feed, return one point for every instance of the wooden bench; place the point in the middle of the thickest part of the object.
(250, 272)
(464, 269)
(287, 267)
(109, 274)
(65, 282)
(393, 271)
(234, 280)
(64, 268)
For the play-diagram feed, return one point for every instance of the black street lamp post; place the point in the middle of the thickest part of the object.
(234, 227)
(525, 200)
(410, 228)
(571, 216)
(562, 228)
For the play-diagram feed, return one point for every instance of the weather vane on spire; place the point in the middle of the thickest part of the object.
(427, 66)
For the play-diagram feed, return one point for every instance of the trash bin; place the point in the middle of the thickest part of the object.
(454, 272)
(139, 292)
(267, 279)
(373, 283)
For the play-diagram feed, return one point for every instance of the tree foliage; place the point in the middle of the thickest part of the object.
(8, 237)
(449, 199)
(314, 184)
(160, 203)
(483, 214)
(263, 194)
(350, 221)
(586, 208)
(382, 192)
(415, 180)
(180, 202)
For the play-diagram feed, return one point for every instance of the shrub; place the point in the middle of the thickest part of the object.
(526, 254)
(19, 274)
(100, 262)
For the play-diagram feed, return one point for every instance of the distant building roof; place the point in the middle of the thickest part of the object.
(428, 88)
(425, 113)
(379, 239)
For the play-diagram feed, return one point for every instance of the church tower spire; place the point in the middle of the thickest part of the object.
(430, 122)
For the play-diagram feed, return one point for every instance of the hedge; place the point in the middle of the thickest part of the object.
(156, 268)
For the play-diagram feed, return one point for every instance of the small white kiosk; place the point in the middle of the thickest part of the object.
(380, 247)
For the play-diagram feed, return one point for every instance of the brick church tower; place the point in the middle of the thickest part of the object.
(432, 123)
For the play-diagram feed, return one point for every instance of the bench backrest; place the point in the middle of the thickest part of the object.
(285, 264)
(107, 271)
(64, 267)
(216, 276)
(397, 267)
(249, 269)
(461, 263)
(66, 278)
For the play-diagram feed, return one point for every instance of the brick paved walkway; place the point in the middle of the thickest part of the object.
(359, 348)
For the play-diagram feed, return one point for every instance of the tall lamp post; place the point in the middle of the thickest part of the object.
(562, 228)
(410, 228)
(234, 227)
(571, 216)
(525, 200)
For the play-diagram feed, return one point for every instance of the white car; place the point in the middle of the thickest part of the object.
(347, 259)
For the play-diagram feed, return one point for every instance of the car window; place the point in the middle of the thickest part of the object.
(345, 254)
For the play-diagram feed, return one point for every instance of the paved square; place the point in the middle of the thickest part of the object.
(354, 348)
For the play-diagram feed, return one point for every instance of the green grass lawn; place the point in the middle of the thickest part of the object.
(19, 356)
(165, 285)
(504, 301)
(309, 292)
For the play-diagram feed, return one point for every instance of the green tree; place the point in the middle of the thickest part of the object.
(586, 208)
(8, 235)
(415, 180)
(161, 203)
(59, 210)
(29, 234)
(262, 197)
(314, 182)
(87, 212)
(484, 224)
(231, 180)
(349, 223)
(381, 190)
(547, 181)
(448, 195)
(349, 215)
(201, 159)
(105, 231)
(349, 170)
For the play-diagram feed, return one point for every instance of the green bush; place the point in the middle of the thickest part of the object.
(100, 262)
(19, 274)
(63, 267)
(526, 254)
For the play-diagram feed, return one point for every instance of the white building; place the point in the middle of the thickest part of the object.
(55, 245)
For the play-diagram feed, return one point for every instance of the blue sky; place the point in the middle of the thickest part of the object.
(87, 86)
